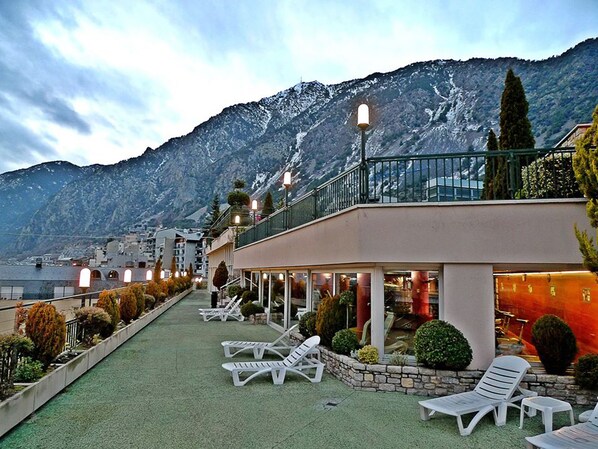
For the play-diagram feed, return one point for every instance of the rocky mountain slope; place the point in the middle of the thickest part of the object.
(429, 107)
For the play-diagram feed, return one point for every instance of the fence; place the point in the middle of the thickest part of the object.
(512, 174)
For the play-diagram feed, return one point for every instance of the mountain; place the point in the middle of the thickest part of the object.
(439, 106)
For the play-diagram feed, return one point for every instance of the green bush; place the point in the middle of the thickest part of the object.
(555, 343)
(109, 302)
(233, 290)
(12, 346)
(439, 344)
(47, 330)
(94, 320)
(368, 354)
(586, 371)
(347, 298)
(248, 296)
(250, 308)
(29, 370)
(551, 176)
(150, 301)
(330, 319)
(345, 341)
(307, 324)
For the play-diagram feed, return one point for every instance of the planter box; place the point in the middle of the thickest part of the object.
(18, 407)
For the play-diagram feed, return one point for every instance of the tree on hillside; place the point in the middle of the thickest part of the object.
(268, 205)
(585, 166)
(515, 131)
(491, 146)
(158, 270)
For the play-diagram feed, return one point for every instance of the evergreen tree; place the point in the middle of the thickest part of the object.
(515, 131)
(158, 270)
(491, 146)
(268, 205)
(585, 166)
(190, 270)
(515, 128)
(220, 275)
(215, 212)
(172, 267)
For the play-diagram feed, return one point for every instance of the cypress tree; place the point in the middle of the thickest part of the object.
(158, 270)
(515, 128)
(268, 205)
(585, 166)
(491, 146)
(220, 275)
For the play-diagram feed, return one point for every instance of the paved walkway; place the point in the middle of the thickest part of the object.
(165, 388)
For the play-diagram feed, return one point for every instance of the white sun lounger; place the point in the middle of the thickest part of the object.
(496, 390)
(232, 310)
(296, 362)
(279, 346)
(579, 436)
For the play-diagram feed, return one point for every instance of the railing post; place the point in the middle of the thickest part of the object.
(363, 182)
(315, 208)
(512, 175)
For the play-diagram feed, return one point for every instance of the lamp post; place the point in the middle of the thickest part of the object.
(363, 122)
(286, 182)
(237, 222)
(254, 209)
(84, 283)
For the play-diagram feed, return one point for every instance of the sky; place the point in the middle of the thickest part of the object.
(94, 81)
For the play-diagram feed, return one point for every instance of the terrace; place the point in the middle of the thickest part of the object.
(165, 388)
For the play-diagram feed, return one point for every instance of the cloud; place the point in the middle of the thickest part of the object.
(98, 82)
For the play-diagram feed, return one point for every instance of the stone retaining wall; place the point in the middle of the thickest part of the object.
(422, 381)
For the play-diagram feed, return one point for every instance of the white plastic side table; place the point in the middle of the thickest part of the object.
(547, 406)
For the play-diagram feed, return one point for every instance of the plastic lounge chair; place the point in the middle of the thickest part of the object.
(279, 346)
(580, 436)
(296, 362)
(388, 322)
(232, 309)
(496, 390)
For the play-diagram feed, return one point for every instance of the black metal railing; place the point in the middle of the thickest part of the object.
(496, 175)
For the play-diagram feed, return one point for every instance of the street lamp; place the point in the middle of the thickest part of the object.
(84, 283)
(286, 182)
(363, 122)
(254, 209)
(237, 221)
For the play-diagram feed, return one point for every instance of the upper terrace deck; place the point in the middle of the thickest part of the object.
(525, 174)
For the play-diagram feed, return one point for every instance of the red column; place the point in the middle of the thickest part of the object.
(420, 293)
(363, 299)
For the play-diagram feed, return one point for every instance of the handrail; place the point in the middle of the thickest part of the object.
(503, 174)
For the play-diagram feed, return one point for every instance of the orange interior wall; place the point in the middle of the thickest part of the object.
(570, 296)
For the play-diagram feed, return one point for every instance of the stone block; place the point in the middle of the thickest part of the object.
(368, 377)
(407, 382)
(394, 369)
(410, 370)
(387, 387)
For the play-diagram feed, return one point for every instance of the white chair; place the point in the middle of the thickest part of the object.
(232, 310)
(495, 391)
(296, 362)
(579, 436)
(279, 346)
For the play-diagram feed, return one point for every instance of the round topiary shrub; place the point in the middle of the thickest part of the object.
(150, 301)
(368, 355)
(441, 345)
(47, 330)
(109, 302)
(250, 308)
(234, 290)
(94, 320)
(586, 371)
(345, 341)
(330, 319)
(248, 296)
(555, 342)
(137, 290)
(307, 324)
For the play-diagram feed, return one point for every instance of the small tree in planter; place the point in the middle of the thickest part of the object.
(47, 330)
(555, 342)
(12, 346)
(220, 275)
(330, 319)
(109, 302)
(137, 290)
(347, 299)
(307, 324)
(94, 321)
(128, 306)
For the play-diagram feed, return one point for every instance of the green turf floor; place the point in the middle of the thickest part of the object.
(165, 388)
